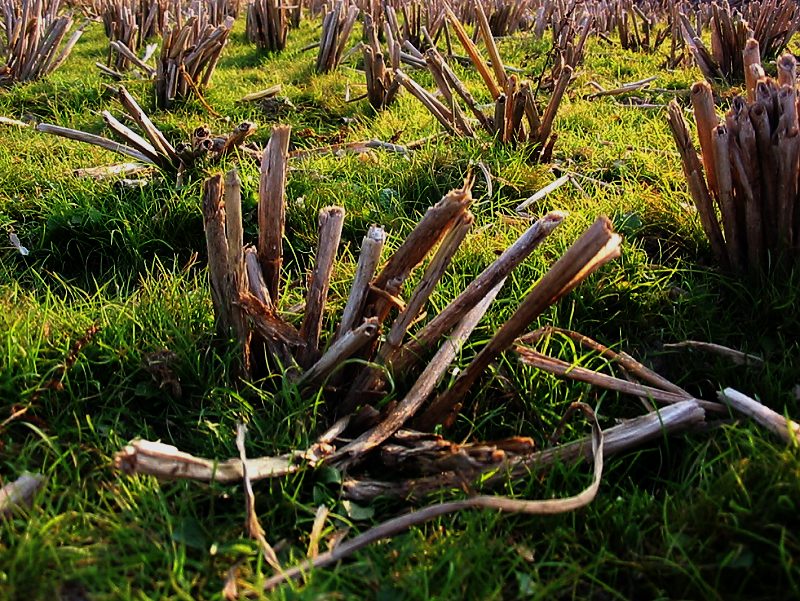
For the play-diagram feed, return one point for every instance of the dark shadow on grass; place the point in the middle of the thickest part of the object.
(118, 235)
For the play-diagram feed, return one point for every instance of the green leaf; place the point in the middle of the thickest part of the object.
(189, 532)
(357, 512)
(739, 558)
(527, 587)
(329, 475)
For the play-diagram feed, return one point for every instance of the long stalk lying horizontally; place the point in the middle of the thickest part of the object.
(495, 503)
(628, 435)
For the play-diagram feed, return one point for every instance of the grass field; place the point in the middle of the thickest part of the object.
(710, 514)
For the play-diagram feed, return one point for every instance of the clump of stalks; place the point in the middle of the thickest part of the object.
(247, 284)
(189, 54)
(337, 24)
(268, 24)
(637, 30)
(772, 23)
(382, 87)
(749, 169)
(346, 369)
(153, 148)
(32, 44)
(130, 23)
(516, 118)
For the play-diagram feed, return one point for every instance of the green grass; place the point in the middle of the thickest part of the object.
(707, 515)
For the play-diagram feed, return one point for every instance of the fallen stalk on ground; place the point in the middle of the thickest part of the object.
(20, 493)
(785, 428)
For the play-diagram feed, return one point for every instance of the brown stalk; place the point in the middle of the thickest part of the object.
(341, 350)
(624, 360)
(456, 115)
(167, 462)
(745, 184)
(153, 134)
(436, 108)
(423, 386)
(255, 277)
(751, 56)
(765, 94)
(331, 220)
(269, 92)
(767, 164)
(134, 139)
(234, 230)
(754, 219)
(329, 23)
(569, 371)
(787, 109)
(267, 24)
(788, 150)
(737, 357)
(488, 40)
(125, 52)
(543, 133)
(530, 109)
(499, 120)
(434, 225)
(632, 433)
(236, 276)
(272, 207)
(458, 86)
(517, 131)
(706, 119)
(473, 53)
(344, 35)
(730, 222)
(237, 137)
(269, 325)
(435, 68)
(79, 136)
(217, 245)
(509, 130)
(447, 249)
(787, 70)
(368, 261)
